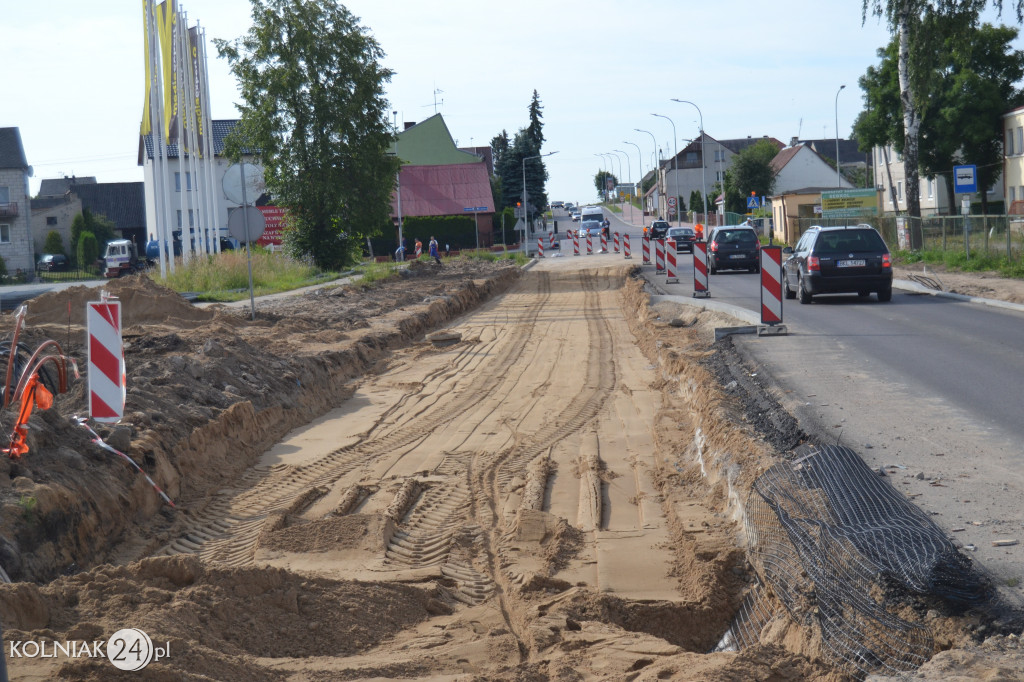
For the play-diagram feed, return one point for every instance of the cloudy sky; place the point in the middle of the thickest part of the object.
(74, 81)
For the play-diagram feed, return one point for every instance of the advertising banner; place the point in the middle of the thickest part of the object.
(849, 203)
(274, 216)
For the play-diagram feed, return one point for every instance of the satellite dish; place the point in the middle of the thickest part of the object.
(243, 176)
(237, 223)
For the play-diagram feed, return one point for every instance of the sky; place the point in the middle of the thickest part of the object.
(75, 75)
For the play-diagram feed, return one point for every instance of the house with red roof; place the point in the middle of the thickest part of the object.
(439, 179)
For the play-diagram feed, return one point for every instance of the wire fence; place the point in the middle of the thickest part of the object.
(834, 545)
(992, 235)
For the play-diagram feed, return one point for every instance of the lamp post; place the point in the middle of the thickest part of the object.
(657, 166)
(839, 175)
(601, 185)
(526, 211)
(675, 164)
(640, 170)
(629, 170)
(619, 176)
(703, 163)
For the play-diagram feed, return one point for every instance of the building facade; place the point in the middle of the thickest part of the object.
(16, 247)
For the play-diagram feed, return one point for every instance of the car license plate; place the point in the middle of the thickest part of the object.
(740, 255)
(850, 263)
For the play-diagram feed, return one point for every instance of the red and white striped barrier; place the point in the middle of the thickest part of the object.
(771, 285)
(540, 247)
(590, 244)
(419, 249)
(700, 269)
(670, 262)
(106, 361)
(615, 242)
(659, 255)
(645, 244)
(625, 245)
(575, 243)
(604, 243)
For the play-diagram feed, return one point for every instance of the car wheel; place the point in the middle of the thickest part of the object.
(756, 268)
(805, 296)
(885, 295)
(711, 267)
(790, 294)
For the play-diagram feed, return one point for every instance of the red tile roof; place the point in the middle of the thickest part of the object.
(444, 190)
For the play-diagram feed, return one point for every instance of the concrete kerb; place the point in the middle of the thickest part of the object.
(914, 287)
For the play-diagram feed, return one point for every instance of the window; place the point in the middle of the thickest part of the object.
(51, 220)
(1009, 141)
(1013, 194)
(1020, 192)
(931, 188)
(899, 191)
(5, 195)
(1019, 144)
(191, 219)
(177, 182)
(5, 233)
(719, 155)
(719, 176)
(691, 157)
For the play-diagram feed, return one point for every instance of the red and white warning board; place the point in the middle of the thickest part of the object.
(106, 360)
(771, 291)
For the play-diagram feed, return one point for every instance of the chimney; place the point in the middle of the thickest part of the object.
(409, 124)
(792, 141)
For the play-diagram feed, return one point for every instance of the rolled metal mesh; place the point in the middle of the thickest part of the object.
(828, 537)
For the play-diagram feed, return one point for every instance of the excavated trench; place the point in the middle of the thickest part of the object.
(557, 495)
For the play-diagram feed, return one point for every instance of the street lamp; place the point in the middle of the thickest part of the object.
(675, 164)
(399, 192)
(703, 162)
(526, 210)
(629, 169)
(656, 165)
(603, 182)
(640, 170)
(618, 178)
(839, 176)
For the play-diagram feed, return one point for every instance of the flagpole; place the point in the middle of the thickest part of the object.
(156, 134)
(208, 150)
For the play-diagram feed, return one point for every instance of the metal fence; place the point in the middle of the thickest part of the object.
(992, 235)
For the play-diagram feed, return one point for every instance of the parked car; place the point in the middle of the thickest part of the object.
(838, 260)
(733, 247)
(576, 216)
(684, 238)
(53, 262)
(658, 229)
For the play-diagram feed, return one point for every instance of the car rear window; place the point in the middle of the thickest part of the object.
(736, 237)
(848, 241)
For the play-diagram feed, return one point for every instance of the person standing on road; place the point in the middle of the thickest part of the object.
(433, 250)
(400, 253)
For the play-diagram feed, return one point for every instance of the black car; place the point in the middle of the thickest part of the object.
(734, 248)
(838, 260)
(52, 262)
(684, 237)
(658, 229)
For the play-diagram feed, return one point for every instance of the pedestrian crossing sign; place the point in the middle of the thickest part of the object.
(752, 202)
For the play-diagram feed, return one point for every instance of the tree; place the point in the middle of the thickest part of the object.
(535, 131)
(970, 84)
(508, 161)
(906, 19)
(751, 172)
(53, 243)
(601, 181)
(98, 226)
(695, 200)
(313, 113)
(88, 249)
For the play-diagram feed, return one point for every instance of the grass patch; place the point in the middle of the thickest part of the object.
(376, 272)
(958, 261)
(225, 276)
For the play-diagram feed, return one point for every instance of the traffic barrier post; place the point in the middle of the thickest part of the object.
(107, 388)
(700, 270)
(645, 245)
(659, 255)
(670, 262)
(604, 243)
(540, 247)
(771, 291)
(590, 244)
(575, 243)
(625, 245)
(615, 242)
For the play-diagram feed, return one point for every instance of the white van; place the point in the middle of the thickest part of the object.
(591, 220)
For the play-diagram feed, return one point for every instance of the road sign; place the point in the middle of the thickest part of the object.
(752, 202)
(246, 217)
(243, 183)
(672, 202)
(965, 179)
(475, 209)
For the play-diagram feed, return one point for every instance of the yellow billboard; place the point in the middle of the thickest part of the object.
(849, 203)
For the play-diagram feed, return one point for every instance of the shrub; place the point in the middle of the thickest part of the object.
(53, 243)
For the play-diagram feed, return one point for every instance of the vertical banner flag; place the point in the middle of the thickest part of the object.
(106, 360)
(146, 126)
(194, 118)
(167, 22)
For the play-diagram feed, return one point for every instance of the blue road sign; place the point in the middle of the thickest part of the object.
(965, 179)
(752, 202)
(475, 209)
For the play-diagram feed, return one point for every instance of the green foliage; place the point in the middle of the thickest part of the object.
(507, 214)
(601, 181)
(98, 226)
(314, 114)
(958, 260)
(509, 159)
(88, 250)
(697, 203)
(225, 276)
(535, 131)
(28, 506)
(53, 243)
(3, 269)
(751, 172)
(371, 273)
(458, 231)
(648, 182)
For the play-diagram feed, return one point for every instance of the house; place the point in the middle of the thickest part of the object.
(15, 227)
(439, 179)
(185, 186)
(891, 179)
(850, 156)
(801, 166)
(123, 203)
(1013, 157)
